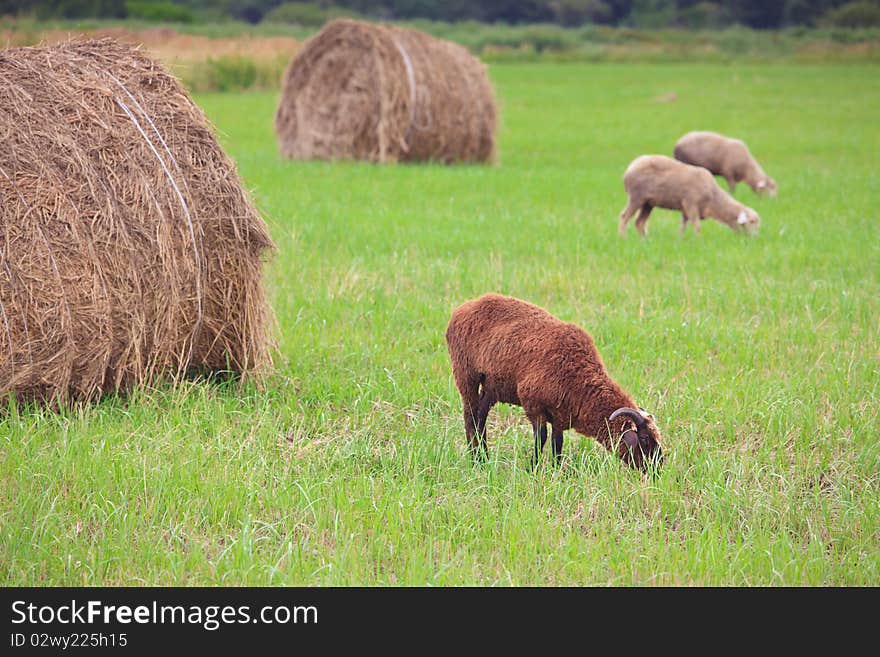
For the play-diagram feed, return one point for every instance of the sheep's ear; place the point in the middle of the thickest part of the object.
(631, 439)
(762, 184)
(742, 218)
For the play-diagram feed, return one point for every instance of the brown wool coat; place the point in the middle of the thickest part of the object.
(506, 350)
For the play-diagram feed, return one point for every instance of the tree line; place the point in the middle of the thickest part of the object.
(759, 14)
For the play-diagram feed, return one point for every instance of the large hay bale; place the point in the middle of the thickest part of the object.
(383, 93)
(128, 247)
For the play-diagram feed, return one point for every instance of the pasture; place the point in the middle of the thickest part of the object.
(759, 357)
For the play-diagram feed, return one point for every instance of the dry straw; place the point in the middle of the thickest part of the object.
(383, 93)
(128, 248)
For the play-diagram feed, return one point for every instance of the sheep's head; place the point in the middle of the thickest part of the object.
(766, 187)
(748, 220)
(639, 445)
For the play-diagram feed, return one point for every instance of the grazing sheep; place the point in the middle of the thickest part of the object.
(507, 350)
(726, 157)
(659, 181)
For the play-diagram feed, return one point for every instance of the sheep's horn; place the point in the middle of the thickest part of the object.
(637, 417)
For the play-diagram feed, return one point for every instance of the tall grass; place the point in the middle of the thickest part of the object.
(759, 357)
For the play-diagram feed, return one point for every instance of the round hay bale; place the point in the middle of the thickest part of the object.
(383, 93)
(128, 248)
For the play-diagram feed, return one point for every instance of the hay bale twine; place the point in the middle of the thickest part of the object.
(128, 247)
(383, 93)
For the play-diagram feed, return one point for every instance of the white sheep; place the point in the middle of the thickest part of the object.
(659, 181)
(724, 156)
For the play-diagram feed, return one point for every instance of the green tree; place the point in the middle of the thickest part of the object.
(760, 14)
(79, 8)
(578, 12)
(701, 15)
(804, 12)
(653, 13)
(854, 14)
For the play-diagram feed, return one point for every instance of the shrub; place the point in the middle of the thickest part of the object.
(705, 15)
(652, 14)
(158, 11)
(229, 74)
(306, 14)
(78, 9)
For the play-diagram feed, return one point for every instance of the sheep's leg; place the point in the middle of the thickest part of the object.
(540, 432)
(690, 214)
(627, 214)
(731, 184)
(642, 219)
(538, 419)
(557, 443)
(470, 400)
(478, 443)
(470, 424)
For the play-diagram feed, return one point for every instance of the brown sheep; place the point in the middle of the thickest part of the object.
(726, 157)
(658, 181)
(507, 350)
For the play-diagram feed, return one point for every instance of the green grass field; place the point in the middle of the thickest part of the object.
(759, 357)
